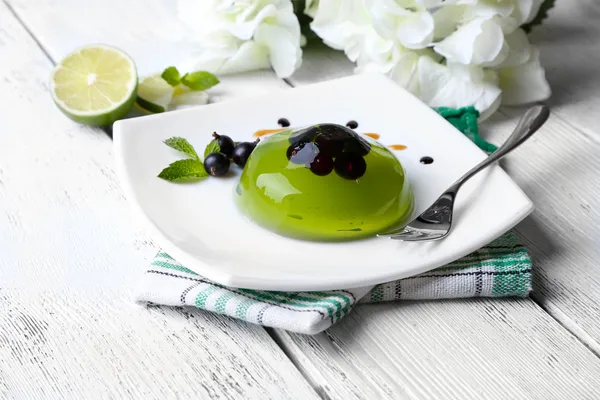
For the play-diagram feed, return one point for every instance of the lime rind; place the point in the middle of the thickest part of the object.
(155, 93)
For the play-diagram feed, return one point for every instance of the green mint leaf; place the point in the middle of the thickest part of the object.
(235, 143)
(171, 75)
(184, 170)
(212, 147)
(541, 15)
(182, 145)
(199, 80)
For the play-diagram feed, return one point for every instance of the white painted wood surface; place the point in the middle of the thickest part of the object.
(71, 255)
(458, 349)
(463, 349)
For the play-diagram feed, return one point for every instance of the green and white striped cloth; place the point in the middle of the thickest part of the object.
(501, 269)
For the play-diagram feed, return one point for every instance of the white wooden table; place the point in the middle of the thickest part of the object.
(71, 252)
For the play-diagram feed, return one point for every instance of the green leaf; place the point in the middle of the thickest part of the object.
(182, 145)
(212, 147)
(541, 15)
(184, 170)
(199, 80)
(171, 75)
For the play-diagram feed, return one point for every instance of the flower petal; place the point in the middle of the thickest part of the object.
(244, 28)
(405, 72)
(525, 83)
(458, 86)
(519, 49)
(415, 31)
(480, 41)
(447, 19)
(526, 10)
(285, 55)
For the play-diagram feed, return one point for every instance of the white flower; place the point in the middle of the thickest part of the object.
(480, 42)
(522, 78)
(452, 53)
(525, 10)
(408, 22)
(242, 35)
(454, 85)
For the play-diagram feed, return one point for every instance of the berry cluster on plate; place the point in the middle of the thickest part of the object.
(323, 148)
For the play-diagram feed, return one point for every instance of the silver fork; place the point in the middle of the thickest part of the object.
(435, 223)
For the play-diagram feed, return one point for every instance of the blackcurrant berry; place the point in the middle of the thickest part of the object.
(302, 153)
(357, 145)
(329, 146)
(335, 131)
(216, 164)
(350, 165)
(304, 135)
(225, 144)
(322, 165)
(283, 122)
(242, 152)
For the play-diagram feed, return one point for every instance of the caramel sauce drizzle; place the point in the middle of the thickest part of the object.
(265, 132)
(373, 135)
(397, 146)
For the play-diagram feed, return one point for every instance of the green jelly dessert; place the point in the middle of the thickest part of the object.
(324, 182)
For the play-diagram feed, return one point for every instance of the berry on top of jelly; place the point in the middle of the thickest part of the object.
(329, 142)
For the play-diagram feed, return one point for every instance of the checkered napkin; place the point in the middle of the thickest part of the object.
(503, 268)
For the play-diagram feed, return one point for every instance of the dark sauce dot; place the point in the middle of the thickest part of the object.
(426, 160)
(283, 122)
(352, 124)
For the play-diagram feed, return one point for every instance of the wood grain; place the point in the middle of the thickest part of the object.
(71, 256)
(455, 349)
(560, 170)
(570, 54)
(464, 349)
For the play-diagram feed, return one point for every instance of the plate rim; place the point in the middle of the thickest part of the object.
(248, 282)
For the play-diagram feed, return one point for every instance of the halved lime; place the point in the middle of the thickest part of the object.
(154, 94)
(95, 85)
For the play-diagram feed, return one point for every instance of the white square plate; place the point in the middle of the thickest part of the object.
(199, 225)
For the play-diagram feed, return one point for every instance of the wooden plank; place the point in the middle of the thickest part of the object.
(70, 258)
(570, 53)
(463, 349)
(559, 169)
(387, 351)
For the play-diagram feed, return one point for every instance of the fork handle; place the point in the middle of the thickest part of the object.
(529, 123)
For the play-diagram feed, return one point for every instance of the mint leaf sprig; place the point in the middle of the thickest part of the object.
(196, 81)
(199, 80)
(189, 169)
(182, 145)
(186, 170)
(212, 147)
(171, 75)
